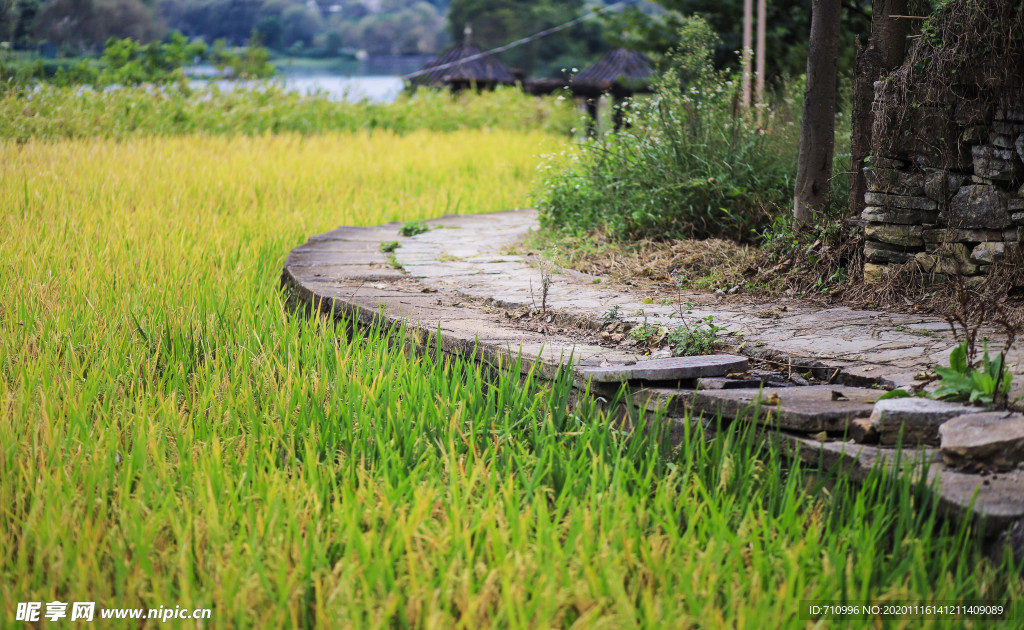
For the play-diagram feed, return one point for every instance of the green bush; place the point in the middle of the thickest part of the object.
(693, 164)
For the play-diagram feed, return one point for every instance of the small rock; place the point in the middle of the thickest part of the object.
(988, 252)
(919, 419)
(863, 431)
(951, 258)
(873, 272)
(1019, 145)
(1017, 218)
(991, 441)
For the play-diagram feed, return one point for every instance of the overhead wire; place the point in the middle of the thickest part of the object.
(518, 42)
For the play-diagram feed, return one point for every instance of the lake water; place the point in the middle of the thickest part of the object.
(379, 89)
(377, 79)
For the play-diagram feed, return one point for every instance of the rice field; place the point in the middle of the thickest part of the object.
(171, 435)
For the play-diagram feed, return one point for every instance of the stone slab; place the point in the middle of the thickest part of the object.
(992, 440)
(672, 369)
(918, 418)
(996, 497)
(978, 207)
(810, 409)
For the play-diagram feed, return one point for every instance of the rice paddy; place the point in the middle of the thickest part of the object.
(171, 434)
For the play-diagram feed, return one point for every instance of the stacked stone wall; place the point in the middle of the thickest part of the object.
(947, 195)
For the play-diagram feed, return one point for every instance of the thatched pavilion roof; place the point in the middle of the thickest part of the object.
(448, 69)
(618, 70)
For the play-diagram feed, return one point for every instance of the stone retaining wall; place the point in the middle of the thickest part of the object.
(949, 192)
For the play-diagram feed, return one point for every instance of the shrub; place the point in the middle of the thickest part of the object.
(692, 164)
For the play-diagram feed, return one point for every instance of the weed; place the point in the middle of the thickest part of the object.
(611, 315)
(389, 246)
(648, 335)
(989, 384)
(413, 228)
(700, 338)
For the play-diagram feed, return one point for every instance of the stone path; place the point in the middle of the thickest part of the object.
(463, 279)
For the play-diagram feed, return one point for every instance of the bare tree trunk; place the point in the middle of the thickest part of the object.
(884, 52)
(762, 19)
(748, 47)
(817, 130)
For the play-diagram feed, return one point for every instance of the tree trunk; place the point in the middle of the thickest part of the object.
(885, 51)
(748, 48)
(817, 130)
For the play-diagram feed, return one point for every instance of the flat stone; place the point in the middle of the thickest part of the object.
(810, 409)
(673, 369)
(900, 201)
(992, 440)
(995, 163)
(902, 216)
(884, 253)
(894, 182)
(717, 382)
(1014, 205)
(919, 418)
(978, 206)
(941, 185)
(1019, 145)
(905, 235)
(965, 236)
(1007, 127)
(1017, 218)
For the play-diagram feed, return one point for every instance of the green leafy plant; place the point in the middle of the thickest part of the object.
(611, 315)
(649, 335)
(412, 228)
(389, 246)
(962, 381)
(701, 338)
(691, 165)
